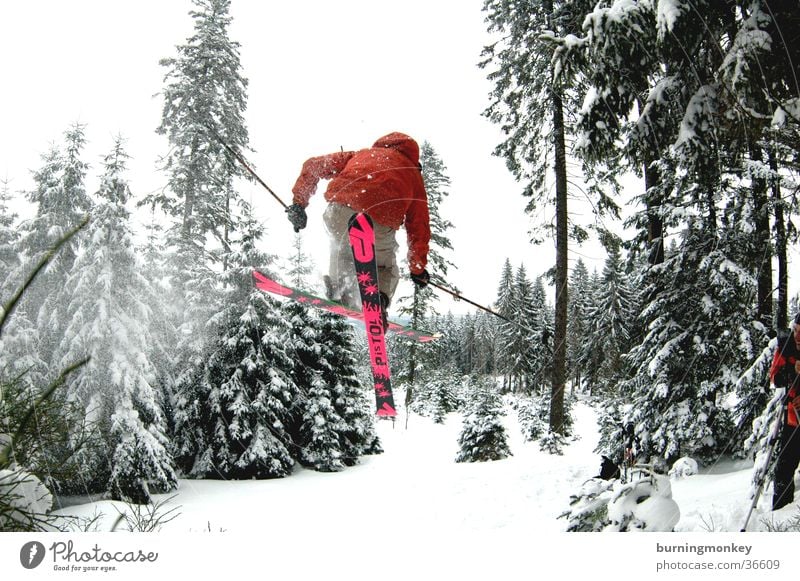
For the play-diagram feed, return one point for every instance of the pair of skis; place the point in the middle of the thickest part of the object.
(362, 243)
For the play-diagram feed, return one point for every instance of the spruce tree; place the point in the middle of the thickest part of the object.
(9, 236)
(108, 308)
(483, 437)
(421, 304)
(529, 101)
(526, 334)
(300, 265)
(59, 195)
(579, 301)
(242, 429)
(541, 344)
(609, 322)
(205, 97)
(505, 305)
(700, 339)
(357, 436)
(251, 391)
(317, 422)
(61, 204)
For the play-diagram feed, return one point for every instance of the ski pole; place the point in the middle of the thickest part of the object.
(246, 166)
(466, 300)
(776, 435)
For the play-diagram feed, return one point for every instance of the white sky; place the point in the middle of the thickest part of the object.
(323, 75)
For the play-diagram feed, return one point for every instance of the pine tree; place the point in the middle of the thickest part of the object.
(318, 424)
(204, 100)
(525, 335)
(579, 301)
(483, 437)
(438, 395)
(357, 436)
(61, 204)
(531, 414)
(59, 195)
(204, 97)
(108, 309)
(486, 345)
(300, 265)
(541, 346)
(610, 319)
(155, 269)
(699, 341)
(9, 237)
(506, 330)
(529, 102)
(251, 391)
(422, 301)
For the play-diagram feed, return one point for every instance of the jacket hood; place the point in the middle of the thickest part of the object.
(402, 143)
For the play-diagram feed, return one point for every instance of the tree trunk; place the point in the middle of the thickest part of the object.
(655, 225)
(782, 307)
(560, 332)
(762, 233)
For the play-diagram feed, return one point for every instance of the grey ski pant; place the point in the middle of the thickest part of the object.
(341, 270)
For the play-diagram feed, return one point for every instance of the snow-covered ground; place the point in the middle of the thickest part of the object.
(414, 513)
(416, 485)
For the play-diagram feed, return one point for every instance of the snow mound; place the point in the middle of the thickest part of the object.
(644, 505)
(683, 468)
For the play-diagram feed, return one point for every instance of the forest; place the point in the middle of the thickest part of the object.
(130, 360)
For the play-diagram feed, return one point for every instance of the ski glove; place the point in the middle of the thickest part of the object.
(297, 216)
(422, 279)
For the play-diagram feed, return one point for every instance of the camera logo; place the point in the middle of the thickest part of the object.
(31, 555)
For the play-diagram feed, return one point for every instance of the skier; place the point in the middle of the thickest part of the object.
(784, 373)
(384, 181)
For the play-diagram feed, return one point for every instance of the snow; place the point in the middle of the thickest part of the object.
(667, 15)
(416, 485)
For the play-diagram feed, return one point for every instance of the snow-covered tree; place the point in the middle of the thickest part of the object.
(34, 332)
(609, 321)
(698, 342)
(204, 101)
(483, 437)
(526, 334)
(421, 304)
(234, 412)
(349, 398)
(9, 235)
(251, 391)
(532, 415)
(579, 301)
(108, 312)
(643, 504)
(505, 306)
(531, 93)
(438, 395)
(61, 204)
(300, 265)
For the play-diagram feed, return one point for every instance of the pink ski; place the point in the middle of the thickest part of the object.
(362, 243)
(271, 286)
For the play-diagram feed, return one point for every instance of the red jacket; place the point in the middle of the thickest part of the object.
(383, 181)
(782, 374)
